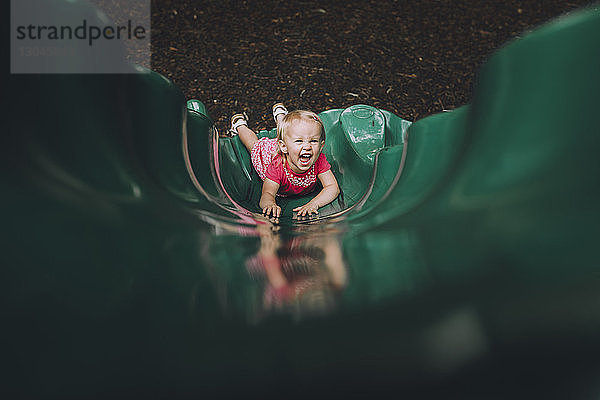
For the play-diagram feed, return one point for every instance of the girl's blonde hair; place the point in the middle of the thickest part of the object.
(296, 116)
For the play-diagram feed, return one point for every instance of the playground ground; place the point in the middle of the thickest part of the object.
(411, 57)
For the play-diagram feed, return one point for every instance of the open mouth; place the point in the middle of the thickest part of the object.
(305, 159)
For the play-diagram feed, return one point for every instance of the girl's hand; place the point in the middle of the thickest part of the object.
(307, 209)
(329, 192)
(267, 199)
(272, 209)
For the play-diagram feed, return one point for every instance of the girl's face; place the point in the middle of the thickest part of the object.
(301, 145)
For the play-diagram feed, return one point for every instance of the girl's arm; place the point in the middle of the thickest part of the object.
(267, 199)
(329, 192)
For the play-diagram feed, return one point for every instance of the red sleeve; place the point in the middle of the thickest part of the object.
(274, 170)
(322, 165)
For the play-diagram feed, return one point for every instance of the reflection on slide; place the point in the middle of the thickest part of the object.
(297, 274)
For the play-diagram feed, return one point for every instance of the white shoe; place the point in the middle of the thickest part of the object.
(279, 109)
(236, 121)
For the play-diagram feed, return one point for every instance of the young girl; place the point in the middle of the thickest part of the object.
(291, 163)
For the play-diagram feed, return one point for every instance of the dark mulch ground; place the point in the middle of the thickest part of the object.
(411, 57)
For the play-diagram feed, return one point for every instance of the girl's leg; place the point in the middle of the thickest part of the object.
(247, 136)
(239, 126)
(278, 118)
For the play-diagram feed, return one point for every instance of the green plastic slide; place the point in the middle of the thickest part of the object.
(460, 259)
